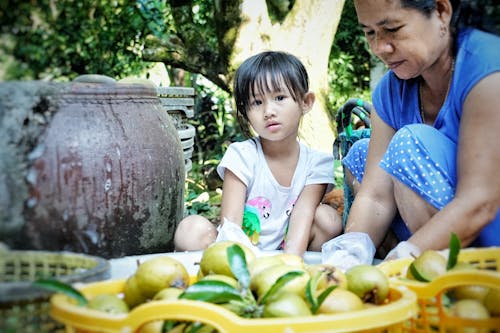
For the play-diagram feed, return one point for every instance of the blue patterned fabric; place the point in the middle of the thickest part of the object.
(424, 159)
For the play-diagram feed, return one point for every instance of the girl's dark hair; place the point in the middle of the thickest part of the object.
(267, 72)
(481, 14)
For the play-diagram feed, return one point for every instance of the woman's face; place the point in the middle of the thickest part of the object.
(406, 40)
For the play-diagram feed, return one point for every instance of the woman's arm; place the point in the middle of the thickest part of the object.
(233, 198)
(301, 219)
(477, 197)
(374, 207)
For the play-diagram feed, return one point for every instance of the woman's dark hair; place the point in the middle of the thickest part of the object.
(267, 72)
(481, 14)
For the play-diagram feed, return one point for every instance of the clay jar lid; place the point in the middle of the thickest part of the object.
(88, 86)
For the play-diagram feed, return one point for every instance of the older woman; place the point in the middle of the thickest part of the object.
(433, 155)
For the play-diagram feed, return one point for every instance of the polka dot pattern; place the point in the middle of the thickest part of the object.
(355, 159)
(408, 160)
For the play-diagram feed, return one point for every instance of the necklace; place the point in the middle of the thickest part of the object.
(420, 99)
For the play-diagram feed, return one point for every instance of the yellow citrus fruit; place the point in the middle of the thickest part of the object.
(261, 282)
(223, 278)
(469, 308)
(109, 303)
(161, 272)
(286, 305)
(492, 302)
(291, 259)
(260, 264)
(132, 293)
(341, 300)
(156, 326)
(168, 293)
(468, 291)
(329, 276)
(214, 258)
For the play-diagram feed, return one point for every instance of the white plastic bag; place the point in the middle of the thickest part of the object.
(233, 232)
(348, 250)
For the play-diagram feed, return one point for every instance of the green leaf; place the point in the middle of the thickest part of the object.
(454, 251)
(238, 264)
(311, 287)
(282, 280)
(212, 291)
(61, 287)
(322, 297)
(168, 325)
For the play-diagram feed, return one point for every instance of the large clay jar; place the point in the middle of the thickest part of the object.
(91, 167)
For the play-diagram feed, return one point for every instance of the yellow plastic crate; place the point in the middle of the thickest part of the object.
(391, 317)
(432, 315)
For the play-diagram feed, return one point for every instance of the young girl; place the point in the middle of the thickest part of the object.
(273, 184)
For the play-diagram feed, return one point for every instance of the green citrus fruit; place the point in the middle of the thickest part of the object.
(427, 266)
(109, 303)
(369, 283)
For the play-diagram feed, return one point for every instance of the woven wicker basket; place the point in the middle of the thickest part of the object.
(24, 308)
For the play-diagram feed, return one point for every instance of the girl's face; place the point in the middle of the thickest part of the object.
(406, 40)
(275, 115)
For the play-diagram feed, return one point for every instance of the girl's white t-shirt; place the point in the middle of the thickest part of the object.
(266, 199)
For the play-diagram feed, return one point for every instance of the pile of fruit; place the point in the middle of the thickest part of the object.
(465, 301)
(231, 276)
(462, 300)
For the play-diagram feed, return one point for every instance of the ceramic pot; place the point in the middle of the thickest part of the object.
(94, 166)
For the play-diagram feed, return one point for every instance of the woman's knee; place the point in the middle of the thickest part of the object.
(194, 233)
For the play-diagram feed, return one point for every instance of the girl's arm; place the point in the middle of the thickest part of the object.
(374, 207)
(233, 198)
(477, 197)
(302, 217)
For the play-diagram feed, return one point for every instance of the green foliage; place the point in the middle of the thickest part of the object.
(214, 120)
(62, 39)
(349, 63)
(278, 9)
(216, 128)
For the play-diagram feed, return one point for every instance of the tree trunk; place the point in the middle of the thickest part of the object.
(308, 32)
(244, 28)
